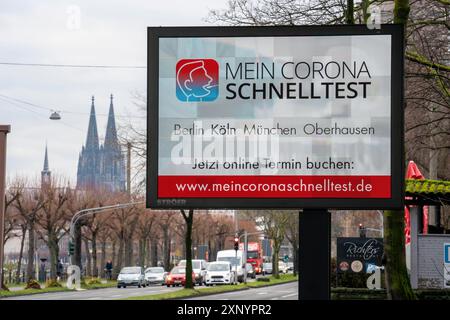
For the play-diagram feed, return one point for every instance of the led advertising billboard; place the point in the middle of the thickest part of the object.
(275, 117)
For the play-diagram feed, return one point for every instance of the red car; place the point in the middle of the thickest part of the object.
(177, 277)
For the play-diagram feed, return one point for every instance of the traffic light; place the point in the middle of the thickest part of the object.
(236, 242)
(362, 231)
(71, 248)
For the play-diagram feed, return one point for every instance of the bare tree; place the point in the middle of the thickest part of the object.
(166, 225)
(123, 225)
(11, 216)
(15, 225)
(222, 227)
(53, 219)
(104, 235)
(29, 202)
(93, 225)
(145, 227)
(280, 12)
(292, 233)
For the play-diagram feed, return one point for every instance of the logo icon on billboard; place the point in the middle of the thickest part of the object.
(357, 266)
(343, 266)
(197, 80)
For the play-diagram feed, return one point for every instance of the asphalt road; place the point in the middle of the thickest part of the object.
(97, 294)
(288, 291)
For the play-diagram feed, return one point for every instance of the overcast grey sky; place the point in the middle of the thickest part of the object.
(111, 32)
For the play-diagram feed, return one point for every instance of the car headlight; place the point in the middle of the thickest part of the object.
(169, 278)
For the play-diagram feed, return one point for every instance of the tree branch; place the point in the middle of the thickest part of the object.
(415, 57)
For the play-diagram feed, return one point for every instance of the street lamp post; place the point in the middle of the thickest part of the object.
(86, 212)
(4, 130)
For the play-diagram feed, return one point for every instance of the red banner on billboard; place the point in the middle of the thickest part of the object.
(274, 186)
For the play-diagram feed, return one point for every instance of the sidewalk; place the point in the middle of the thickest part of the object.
(22, 287)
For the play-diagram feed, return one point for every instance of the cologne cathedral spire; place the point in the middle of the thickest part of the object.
(101, 166)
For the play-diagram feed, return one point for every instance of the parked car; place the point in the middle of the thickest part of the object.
(282, 267)
(220, 272)
(267, 268)
(290, 266)
(251, 273)
(177, 277)
(199, 268)
(131, 276)
(155, 275)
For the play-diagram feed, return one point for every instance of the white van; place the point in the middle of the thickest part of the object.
(236, 259)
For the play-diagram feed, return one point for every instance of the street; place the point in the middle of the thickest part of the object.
(97, 294)
(288, 291)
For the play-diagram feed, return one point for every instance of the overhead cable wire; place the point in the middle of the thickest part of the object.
(51, 65)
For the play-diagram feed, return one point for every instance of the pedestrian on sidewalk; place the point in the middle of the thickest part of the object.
(108, 269)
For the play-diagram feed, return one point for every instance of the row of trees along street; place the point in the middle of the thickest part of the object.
(127, 236)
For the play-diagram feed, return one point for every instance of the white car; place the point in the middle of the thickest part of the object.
(267, 268)
(282, 267)
(236, 260)
(131, 276)
(155, 275)
(220, 272)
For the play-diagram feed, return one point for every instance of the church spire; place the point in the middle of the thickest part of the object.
(92, 136)
(111, 131)
(45, 173)
(46, 159)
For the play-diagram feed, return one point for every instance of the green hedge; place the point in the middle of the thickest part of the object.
(433, 294)
(357, 294)
(366, 294)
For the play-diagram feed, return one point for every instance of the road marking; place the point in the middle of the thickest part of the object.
(262, 292)
(290, 295)
(274, 299)
(117, 296)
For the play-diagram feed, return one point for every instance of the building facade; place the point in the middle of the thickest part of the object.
(101, 166)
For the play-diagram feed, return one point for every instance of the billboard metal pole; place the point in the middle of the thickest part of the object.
(4, 130)
(314, 259)
(245, 255)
